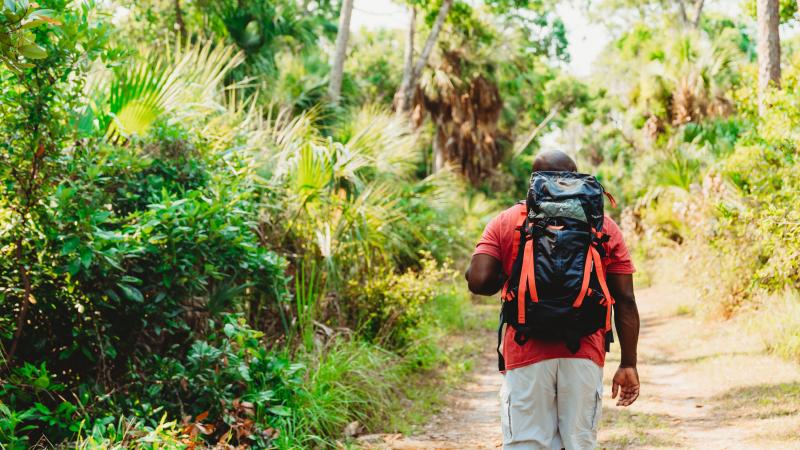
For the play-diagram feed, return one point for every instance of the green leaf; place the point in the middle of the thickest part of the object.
(131, 280)
(43, 410)
(33, 51)
(131, 292)
(280, 410)
(42, 382)
(74, 266)
(70, 244)
(86, 257)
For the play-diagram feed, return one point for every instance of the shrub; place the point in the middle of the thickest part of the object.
(228, 387)
(388, 306)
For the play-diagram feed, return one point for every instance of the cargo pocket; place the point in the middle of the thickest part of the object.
(505, 414)
(598, 409)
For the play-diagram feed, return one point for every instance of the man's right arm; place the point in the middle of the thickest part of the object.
(485, 275)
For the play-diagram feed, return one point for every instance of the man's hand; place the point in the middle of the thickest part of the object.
(626, 384)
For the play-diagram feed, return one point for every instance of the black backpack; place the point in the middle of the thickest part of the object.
(557, 290)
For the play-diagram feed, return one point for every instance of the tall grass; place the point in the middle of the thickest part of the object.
(307, 293)
(777, 321)
(346, 381)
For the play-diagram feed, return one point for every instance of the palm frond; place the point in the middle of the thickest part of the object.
(385, 139)
(185, 81)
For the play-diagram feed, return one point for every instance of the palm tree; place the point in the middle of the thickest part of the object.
(465, 109)
(405, 94)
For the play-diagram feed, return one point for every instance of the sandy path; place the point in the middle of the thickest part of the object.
(705, 385)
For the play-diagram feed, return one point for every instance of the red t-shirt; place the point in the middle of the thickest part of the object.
(498, 241)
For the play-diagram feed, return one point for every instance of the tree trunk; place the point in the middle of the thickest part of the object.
(438, 152)
(24, 305)
(406, 92)
(408, 61)
(179, 19)
(769, 49)
(698, 12)
(694, 21)
(337, 66)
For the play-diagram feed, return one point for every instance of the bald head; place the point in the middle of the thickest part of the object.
(554, 161)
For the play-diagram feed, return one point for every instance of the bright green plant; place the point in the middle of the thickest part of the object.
(184, 79)
(307, 294)
(234, 388)
(39, 105)
(17, 41)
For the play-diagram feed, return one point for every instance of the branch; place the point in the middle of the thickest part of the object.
(432, 37)
(682, 13)
(698, 11)
(518, 149)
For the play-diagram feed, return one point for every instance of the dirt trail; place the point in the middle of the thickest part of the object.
(705, 385)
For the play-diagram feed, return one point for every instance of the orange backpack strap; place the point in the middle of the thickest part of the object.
(527, 280)
(611, 199)
(505, 296)
(601, 277)
(587, 271)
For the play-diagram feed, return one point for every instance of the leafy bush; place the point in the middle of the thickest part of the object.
(228, 387)
(156, 224)
(388, 306)
(25, 394)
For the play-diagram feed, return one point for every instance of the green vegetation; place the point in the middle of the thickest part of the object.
(674, 130)
(198, 247)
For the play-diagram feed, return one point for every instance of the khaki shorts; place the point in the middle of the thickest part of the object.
(552, 404)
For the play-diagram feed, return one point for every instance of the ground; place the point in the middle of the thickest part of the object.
(706, 384)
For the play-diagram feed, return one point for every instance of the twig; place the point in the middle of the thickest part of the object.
(521, 147)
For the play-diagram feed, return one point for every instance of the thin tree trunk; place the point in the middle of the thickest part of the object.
(769, 49)
(408, 86)
(408, 60)
(24, 305)
(337, 66)
(682, 13)
(438, 151)
(698, 12)
(518, 149)
(179, 19)
(694, 21)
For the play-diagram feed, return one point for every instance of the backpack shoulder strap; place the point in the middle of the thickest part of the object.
(520, 222)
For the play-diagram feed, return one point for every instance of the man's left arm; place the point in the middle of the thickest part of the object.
(485, 275)
(626, 379)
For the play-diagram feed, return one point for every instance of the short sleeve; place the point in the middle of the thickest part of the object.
(498, 236)
(491, 239)
(618, 260)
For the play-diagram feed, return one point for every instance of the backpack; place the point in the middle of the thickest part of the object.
(557, 289)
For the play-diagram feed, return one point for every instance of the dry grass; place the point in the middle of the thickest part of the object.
(763, 401)
(634, 429)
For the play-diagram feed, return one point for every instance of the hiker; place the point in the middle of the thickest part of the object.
(557, 307)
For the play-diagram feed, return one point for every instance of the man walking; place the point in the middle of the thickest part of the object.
(552, 388)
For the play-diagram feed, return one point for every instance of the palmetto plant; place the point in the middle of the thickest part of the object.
(690, 80)
(343, 202)
(183, 79)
